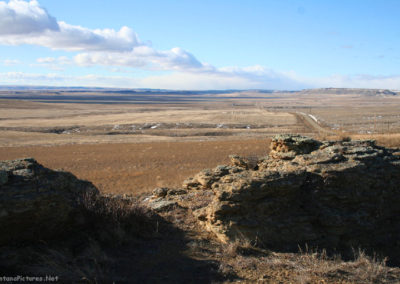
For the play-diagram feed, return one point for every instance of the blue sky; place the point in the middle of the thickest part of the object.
(201, 44)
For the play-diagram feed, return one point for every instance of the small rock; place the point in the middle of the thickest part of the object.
(238, 161)
(162, 205)
(177, 191)
(287, 146)
(23, 173)
(190, 183)
(160, 192)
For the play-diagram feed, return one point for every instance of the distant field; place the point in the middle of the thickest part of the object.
(132, 142)
(24, 123)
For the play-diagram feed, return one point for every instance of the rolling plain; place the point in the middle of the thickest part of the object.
(134, 141)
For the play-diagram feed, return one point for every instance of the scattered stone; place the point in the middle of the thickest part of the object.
(190, 183)
(238, 161)
(177, 191)
(160, 192)
(160, 205)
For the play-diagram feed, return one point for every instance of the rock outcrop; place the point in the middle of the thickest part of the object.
(337, 195)
(37, 203)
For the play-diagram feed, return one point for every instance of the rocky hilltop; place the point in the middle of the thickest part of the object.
(337, 195)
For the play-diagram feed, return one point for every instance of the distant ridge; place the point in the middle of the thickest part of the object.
(348, 91)
(15, 89)
(80, 89)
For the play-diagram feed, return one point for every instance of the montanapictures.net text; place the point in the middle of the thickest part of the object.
(19, 278)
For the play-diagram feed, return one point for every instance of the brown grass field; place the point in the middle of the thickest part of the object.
(137, 167)
(160, 140)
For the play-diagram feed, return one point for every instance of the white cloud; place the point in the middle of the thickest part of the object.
(111, 48)
(357, 81)
(31, 24)
(28, 23)
(11, 62)
(20, 17)
(54, 63)
(200, 81)
(62, 60)
(22, 78)
(143, 56)
(167, 81)
(76, 38)
(174, 80)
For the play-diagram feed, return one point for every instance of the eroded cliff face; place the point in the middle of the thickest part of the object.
(333, 194)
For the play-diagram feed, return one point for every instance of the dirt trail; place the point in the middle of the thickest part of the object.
(311, 124)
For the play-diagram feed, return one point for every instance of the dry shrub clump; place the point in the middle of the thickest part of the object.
(246, 261)
(117, 218)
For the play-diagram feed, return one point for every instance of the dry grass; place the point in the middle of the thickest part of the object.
(30, 123)
(22, 122)
(118, 218)
(65, 115)
(308, 266)
(137, 167)
(386, 140)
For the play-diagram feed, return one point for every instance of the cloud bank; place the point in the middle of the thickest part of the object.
(26, 22)
(32, 24)
(190, 81)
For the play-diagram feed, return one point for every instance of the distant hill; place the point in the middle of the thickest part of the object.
(32, 90)
(117, 90)
(349, 91)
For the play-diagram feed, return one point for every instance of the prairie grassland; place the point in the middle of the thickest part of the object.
(134, 147)
(25, 123)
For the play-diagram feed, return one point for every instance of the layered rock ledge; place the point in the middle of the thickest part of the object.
(336, 195)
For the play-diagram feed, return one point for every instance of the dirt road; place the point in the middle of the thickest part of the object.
(312, 124)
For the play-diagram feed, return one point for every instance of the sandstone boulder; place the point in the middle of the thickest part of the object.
(287, 146)
(37, 203)
(337, 195)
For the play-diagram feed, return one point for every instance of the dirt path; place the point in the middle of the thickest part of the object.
(137, 167)
(310, 122)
